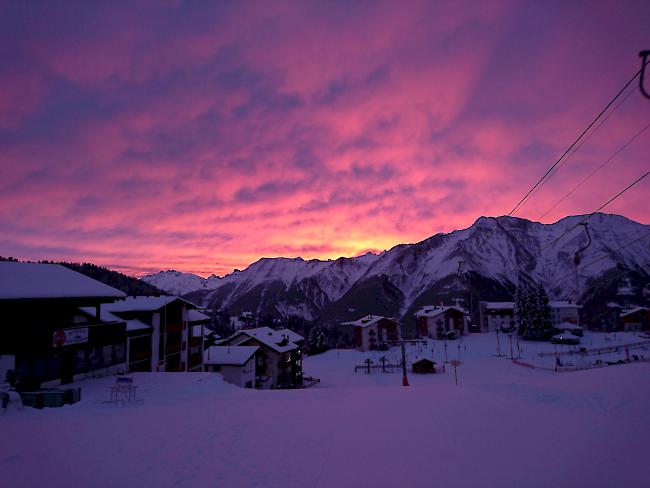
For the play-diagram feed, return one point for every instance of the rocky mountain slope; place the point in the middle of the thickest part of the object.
(482, 262)
(178, 283)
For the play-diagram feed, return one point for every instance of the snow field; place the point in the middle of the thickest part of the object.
(504, 425)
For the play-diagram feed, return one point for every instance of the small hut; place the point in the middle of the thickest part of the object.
(424, 366)
(565, 338)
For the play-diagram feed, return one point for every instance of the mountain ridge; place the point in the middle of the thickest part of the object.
(495, 253)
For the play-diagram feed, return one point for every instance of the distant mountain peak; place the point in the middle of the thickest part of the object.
(495, 252)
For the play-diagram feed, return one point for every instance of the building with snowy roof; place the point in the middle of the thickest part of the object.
(46, 340)
(235, 363)
(574, 329)
(634, 319)
(279, 361)
(501, 315)
(164, 332)
(497, 316)
(374, 332)
(564, 311)
(436, 321)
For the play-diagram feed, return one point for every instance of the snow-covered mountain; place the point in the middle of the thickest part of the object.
(484, 261)
(179, 283)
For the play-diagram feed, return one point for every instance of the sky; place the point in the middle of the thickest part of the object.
(202, 136)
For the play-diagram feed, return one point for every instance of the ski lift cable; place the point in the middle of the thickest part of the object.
(582, 134)
(597, 210)
(576, 142)
(596, 170)
(579, 146)
(605, 256)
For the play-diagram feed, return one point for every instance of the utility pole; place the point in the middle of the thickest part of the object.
(498, 345)
(446, 361)
(455, 364)
(382, 360)
(405, 380)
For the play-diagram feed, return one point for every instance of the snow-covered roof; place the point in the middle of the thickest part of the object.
(632, 311)
(566, 335)
(367, 321)
(142, 304)
(134, 324)
(275, 339)
(228, 355)
(106, 316)
(210, 333)
(293, 336)
(563, 304)
(500, 305)
(36, 280)
(435, 310)
(567, 326)
(196, 316)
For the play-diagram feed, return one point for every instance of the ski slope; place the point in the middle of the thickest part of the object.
(503, 425)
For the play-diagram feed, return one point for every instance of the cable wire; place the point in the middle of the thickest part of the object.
(577, 148)
(597, 210)
(638, 72)
(605, 163)
(586, 265)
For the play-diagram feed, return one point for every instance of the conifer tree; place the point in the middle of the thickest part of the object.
(523, 308)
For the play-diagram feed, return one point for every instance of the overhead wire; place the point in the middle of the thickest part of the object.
(639, 179)
(596, 170)
(579, 146)
(577, 140)
(605, 256)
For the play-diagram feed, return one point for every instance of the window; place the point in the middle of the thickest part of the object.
(119, 353)
(80, 360)
(95, 357)
(107, 355)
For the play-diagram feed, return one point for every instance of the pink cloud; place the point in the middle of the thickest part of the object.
(202, 140)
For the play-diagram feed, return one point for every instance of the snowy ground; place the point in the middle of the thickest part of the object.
(504, 425)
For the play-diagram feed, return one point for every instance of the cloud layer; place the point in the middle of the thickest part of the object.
(202, 136)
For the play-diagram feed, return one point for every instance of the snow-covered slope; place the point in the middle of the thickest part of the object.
(179, 283)
(484, 261)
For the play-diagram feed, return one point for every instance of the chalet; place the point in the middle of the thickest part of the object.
(160, 337)
(245, 320)
(279, 359)
(574, 329)
(501, 315)
(46, 341)
(497, 315)
(424, 366)
(634, 319)
(374, 332)
(564, 311)
(235, 363)
(436, 321)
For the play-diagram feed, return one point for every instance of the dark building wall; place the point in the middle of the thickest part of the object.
(29, 335)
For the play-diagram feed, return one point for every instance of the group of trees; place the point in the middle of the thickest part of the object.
(127, 284)
(318, 338)
(532, 312)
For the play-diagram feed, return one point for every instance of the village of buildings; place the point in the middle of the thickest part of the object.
(64, 327)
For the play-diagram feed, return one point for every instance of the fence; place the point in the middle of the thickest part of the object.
(598, 350)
